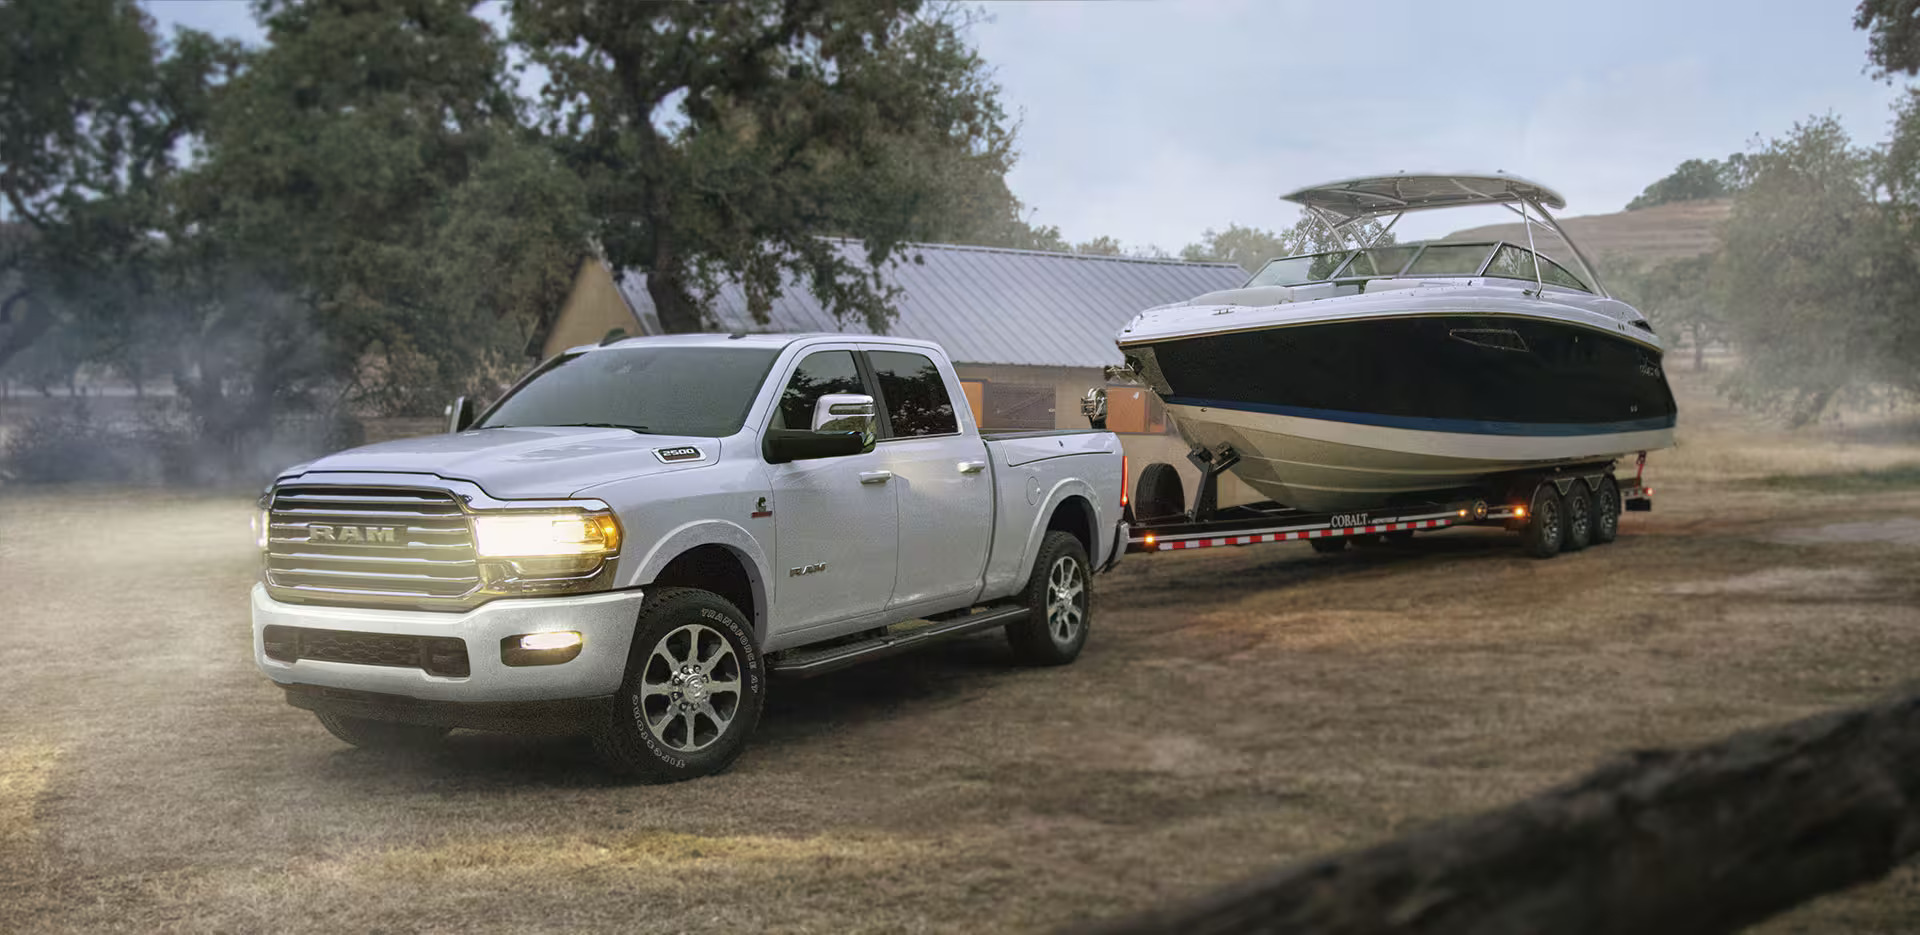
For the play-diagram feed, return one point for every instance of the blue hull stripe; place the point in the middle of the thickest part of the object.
(1423, 424)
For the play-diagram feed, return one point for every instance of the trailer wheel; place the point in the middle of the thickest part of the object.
(1579, 503)
(1546, 527)
(1330, 545)
(1161, 493)
(1398, 536)
(1606, 511)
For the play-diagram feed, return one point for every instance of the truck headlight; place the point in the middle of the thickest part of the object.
(548, 545)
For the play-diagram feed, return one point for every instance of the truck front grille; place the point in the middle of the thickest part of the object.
(375, 546)
(436, 655)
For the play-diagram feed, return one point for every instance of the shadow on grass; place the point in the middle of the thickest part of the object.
(1893, 478)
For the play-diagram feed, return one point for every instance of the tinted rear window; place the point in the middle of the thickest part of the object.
(659, 390)
(917, 400)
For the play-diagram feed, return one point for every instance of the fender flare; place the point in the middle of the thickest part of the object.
(729, 535)
(1062, 490)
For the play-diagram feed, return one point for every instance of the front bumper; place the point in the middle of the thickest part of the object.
(604, 621)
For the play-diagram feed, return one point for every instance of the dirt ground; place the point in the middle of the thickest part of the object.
(1236, 708)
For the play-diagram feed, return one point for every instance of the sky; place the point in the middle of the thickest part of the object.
(1152, 122)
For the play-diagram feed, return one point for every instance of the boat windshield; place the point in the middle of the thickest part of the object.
(1487, 258)
(1293, 270)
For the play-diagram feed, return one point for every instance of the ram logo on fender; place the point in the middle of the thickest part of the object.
(806, 569)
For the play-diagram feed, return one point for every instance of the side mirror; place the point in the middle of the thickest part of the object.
(784, 445)
(459, 413)
(847, 412)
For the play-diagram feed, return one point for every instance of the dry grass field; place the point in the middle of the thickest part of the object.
(1236, 708)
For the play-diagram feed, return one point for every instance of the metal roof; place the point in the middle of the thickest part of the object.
(1391, 194)
(985, 305)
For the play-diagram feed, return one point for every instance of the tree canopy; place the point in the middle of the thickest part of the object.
(726, 139)
(1893, 35)
(1696, 179)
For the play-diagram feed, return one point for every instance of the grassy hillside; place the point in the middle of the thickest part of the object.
(1665, 232)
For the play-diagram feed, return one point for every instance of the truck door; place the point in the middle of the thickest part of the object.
(943, 480)
(835, 520)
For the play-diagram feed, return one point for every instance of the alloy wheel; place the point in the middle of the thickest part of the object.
(690, 689)
(1066, 600)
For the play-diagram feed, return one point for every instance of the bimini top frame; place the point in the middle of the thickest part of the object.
(1344, 207)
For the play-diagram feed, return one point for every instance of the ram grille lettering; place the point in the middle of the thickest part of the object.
(371, 535)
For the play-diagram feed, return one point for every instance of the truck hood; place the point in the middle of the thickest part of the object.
(529, 462)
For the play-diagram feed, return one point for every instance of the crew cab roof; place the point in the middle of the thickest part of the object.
(753, 340)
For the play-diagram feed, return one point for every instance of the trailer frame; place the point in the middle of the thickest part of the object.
(1501, 500)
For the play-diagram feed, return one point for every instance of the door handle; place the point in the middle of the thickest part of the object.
(972, 467)
(875, 477)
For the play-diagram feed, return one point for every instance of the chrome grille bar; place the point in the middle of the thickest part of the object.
(370, 546)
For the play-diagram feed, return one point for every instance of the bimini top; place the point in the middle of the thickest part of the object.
(1393, 194)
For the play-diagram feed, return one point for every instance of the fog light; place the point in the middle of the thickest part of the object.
(541, 649)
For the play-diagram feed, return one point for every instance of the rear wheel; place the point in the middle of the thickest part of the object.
(1546, 528)
(1161, 493)
(1329, 545)
(1579, 501)
(1606, 511)
(1059, 605)
(380, 735)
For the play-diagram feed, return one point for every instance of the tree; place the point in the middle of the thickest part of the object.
(1893, 35)
(1683, 295)
(725, 139)
(372, 220)
(1820, 277)
(1695, 179)
(94, 122)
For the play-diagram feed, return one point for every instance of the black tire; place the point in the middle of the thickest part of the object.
(370, 734)
(1367, 540)
(663, 724)
(1606, 511)
(1546, 528)
(1398, 536)
(1059, 601)
(1161, 493)
(1579, 503)
(1329, 545)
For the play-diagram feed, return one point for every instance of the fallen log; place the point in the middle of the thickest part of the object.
(1690, 842)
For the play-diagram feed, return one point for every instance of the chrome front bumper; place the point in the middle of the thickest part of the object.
(604, 621)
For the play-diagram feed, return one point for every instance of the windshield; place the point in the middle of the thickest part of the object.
(1288, 271)
(658, 390)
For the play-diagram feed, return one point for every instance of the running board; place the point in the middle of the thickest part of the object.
(805, 663)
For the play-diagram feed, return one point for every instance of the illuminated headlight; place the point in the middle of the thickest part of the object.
(531, 535)
(263, 520)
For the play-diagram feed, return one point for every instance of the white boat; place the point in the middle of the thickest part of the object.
(1383, 372)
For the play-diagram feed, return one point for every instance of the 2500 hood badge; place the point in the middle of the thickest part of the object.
(681, 453)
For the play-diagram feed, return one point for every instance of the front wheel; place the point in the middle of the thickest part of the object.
(380, 735)
(1059, 605)
(692, 694)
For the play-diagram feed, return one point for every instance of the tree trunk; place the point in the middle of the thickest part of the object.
(678, 314)
(1696, 842)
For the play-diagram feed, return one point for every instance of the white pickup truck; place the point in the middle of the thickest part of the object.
(637, 534)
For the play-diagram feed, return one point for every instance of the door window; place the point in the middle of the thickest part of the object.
(822, 372)
(917, 400)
